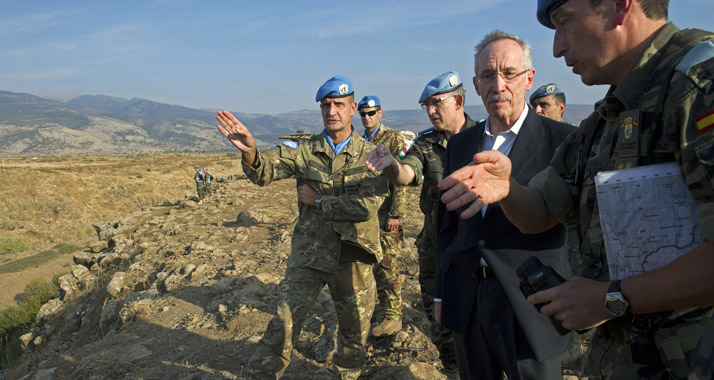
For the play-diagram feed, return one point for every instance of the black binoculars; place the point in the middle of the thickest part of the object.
(535, 277)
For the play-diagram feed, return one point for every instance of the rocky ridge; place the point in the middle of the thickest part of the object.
(184, 290)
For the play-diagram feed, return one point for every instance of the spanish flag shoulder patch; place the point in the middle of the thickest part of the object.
(705, 122)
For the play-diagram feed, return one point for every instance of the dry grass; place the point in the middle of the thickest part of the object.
(51, 200)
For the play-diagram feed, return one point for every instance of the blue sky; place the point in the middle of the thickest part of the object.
(269, 56)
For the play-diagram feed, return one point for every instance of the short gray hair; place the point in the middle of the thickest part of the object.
(500, 35)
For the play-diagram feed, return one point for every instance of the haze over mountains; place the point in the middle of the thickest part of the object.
(99, 124)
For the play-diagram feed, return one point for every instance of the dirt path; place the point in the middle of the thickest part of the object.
(13, 284)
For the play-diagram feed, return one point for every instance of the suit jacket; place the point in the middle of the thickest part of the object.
(462, 243)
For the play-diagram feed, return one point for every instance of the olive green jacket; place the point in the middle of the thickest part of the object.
(352, 194)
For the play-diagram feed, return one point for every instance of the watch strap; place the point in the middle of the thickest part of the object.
(615, 287)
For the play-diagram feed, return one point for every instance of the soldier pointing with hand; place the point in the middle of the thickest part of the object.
(336, 238)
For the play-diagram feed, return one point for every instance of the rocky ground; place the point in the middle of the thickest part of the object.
(184, 290)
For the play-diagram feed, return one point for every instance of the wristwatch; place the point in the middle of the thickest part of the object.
(616, 302)
(318, 200)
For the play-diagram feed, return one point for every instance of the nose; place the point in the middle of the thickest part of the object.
(499, 84)
(559, 44)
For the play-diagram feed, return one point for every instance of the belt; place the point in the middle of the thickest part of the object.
(484, 272)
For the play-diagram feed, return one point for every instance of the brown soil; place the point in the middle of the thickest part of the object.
(199, 288)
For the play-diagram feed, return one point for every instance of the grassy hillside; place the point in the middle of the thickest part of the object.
(49, 203)
(50, 200)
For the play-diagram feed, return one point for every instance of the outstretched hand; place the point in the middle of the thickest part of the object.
(484, 181)
(238, 135)
(380, 158)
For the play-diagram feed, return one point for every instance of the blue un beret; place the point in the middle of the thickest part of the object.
(544, 8)
(445, 82)
(545, 90)
(335, 87)
(368, 101)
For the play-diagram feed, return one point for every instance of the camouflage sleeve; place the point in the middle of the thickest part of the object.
(364, 194)
(415, 160)
(398, 206)
(269, 168)
(691, 116)
(551, 184)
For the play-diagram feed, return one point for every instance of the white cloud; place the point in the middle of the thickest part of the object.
(382, 18)
(30, 22)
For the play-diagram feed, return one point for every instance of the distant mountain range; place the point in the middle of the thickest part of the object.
(99, 124)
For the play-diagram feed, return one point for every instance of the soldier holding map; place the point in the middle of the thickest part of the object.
(659, 109)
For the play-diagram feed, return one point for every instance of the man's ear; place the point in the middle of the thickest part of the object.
(530, 75)
(623, 8)
(476, 86)
(459, 101)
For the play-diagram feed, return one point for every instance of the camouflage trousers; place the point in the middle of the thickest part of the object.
(442, 337)
(200, 190)
(208, 189)
(703, 359)
(352, 290)
(387, 273)
(612, 359)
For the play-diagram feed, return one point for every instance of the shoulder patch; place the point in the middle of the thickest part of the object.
(701, 52)
(705, 122)
(290, 144)
(425, 131)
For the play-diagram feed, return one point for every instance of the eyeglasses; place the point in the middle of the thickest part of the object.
(435, 102)
(490, 76)
(368, 113)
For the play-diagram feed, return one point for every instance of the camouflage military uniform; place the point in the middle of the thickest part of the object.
(208, 179)
(669, 132)
(703, 360)
(200, 187)
(335, 243)
(386, 273)
(425, 159)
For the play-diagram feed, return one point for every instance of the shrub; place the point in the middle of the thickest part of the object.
(17, 320)
(66, 248)
(10, 245)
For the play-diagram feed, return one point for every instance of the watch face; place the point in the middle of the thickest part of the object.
(616, 304)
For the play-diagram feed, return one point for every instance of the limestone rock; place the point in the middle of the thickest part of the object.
(424, 371)
(116, 285)
(69, 287)
(50, 307)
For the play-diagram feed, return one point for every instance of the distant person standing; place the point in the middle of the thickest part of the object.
(549, 101)
(199, 179)
(208, 180)
(386, 272)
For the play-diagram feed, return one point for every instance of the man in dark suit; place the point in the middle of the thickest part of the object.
(496, 330)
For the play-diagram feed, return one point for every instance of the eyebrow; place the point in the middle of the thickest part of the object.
(494, 71)
(556, 12)
(334, 101)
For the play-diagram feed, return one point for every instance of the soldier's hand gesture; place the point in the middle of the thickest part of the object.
(380, 158)
(238, 135)
(486, 180)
